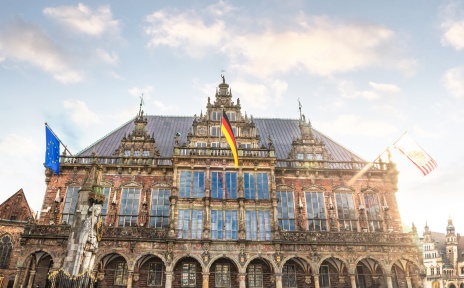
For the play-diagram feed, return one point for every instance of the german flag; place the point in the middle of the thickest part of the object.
(226, 128)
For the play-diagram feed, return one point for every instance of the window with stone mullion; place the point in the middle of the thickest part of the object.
(258, 225)
(190, 223)
(159, 208)
(224, 185)
(129, 208)
(346, 211)
(222, 275)
(289, 276)
(5, 251)
(155, 274)
(373, 212)
(224, 224)
(69, 205)
(104, 211)
(255, 276)
(286, 211)
(256, 185)
(120, 277)
(315, 211)
(188, 278)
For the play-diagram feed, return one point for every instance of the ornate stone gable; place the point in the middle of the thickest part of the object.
(16, 208)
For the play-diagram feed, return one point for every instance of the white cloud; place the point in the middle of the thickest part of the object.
(110, 58)
(453, 80)
(27, 43)
(354, 125)
(80, 113)
(347, 89)
(185, 30)
(452, 26)
(14, 145)
(260, 96)
(165, 108)
(83, 19)
(317, 45)
(146, 91)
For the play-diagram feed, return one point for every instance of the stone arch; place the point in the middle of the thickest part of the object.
(297, 272)
(28, 255)
(38, 265)
(406, 269)
(188, 268)
(113, 267)
(311, 265)
(406, 258)
(149, 270)
(451, 285)
(216, 257)
(333, 271)
(266, 259)
(223, 271)
(151, 253)
(178, 258)
(334, 257)
(371, 263)
(100, 257)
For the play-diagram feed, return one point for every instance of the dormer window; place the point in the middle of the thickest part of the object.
(231, 116)
(309, 156)
(136, 153)
(215, 131)
(318, 156)
(127, 153)
(300, 156)
(216, 115)
(146, 153)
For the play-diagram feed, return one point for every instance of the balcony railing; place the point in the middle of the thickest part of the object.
(325, 164)
(214, 151)
(46, 230)
(346, 237)
(116, 160)
(134, 232)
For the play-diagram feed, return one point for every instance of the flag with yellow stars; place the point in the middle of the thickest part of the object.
(52, 155)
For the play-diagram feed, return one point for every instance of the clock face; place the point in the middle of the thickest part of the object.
(201, 131)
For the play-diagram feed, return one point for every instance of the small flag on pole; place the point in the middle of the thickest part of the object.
(226, 128)
(52, 154)
(416, 154)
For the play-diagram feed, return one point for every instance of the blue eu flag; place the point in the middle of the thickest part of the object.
(52, 155)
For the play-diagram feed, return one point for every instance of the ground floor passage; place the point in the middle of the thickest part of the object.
(113, 271)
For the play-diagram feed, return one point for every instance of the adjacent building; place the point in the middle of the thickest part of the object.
(443, 258)
(177, 213)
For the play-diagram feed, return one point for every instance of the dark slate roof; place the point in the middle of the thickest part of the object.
(282, 132)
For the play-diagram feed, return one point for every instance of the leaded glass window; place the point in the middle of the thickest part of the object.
(224, 224)
(286, 211)
(155, 274)
(255, 276)
(159, 210)
(289, 276)
(258, 225)
(129, 209)
(315, 211)
(188, 275)
(256, 185)
(5, 251)
(224, 185)
(120, 275)
(106, 191)
(324, 277)
(192, 184)
(69, 205)
(190, 224)
(222, 275)
(346, 211)
(373, 211)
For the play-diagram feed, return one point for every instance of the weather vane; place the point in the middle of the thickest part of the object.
(141, 103)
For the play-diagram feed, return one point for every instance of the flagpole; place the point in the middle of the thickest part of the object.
(370, 164)
(65, 148)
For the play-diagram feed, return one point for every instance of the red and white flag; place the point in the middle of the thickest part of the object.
(416, 154)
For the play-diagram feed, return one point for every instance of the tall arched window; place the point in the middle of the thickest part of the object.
(5, 251)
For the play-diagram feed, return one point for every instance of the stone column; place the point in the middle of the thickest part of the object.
(129, 279)
(16, 280)
(168, 283)
(31, 278)
(316, 281)
(278, 279)
(353, 280)
(389, 281)
(205, 279)
(241, 280)
(408, 281)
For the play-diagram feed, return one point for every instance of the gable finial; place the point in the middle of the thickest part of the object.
(141, 103)
(299, 107)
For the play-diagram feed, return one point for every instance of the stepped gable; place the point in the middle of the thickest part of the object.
(164, 128)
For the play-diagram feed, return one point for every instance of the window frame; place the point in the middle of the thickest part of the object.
(129, 216)
(373, 211)
(162, 211)
(68, 216)
(226, 188)
(229, 229)
(221, 276)
(6, 248)
(122, 271)
(286, 215)
(190, 223)
(191, 184)
(258, 225)
(349, 217)
(314, 222)
(254, 275)
(256, 185)
(153, 272)
(188, 273)
(285, 276)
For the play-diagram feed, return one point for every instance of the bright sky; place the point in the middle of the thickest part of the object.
(365, 72)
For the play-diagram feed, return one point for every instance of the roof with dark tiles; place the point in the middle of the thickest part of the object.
(164, 128)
